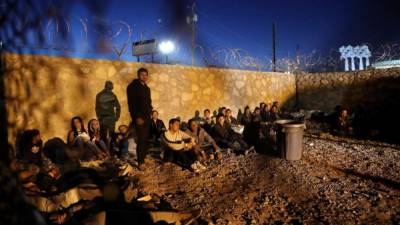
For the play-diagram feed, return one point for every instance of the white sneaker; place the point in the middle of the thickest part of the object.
(200, 166)
(195, 168)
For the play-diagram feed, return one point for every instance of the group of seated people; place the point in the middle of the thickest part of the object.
(63, 178)
(79, 181)
(192, 144)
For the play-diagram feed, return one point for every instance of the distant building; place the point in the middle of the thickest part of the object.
(386, 64)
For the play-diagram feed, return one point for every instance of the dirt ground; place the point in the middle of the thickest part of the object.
(336, 182)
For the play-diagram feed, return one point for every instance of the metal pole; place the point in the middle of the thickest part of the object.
(193, 40)
(273, 48)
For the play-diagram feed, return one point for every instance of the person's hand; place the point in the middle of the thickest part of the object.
(189, 145)
(54, 172)
(139, 121)
(58, 218)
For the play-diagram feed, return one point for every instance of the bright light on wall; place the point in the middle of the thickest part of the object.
(166, 47)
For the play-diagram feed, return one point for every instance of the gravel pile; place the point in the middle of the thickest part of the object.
(337, 182)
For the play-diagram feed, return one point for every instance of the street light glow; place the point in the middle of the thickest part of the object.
(166, 47)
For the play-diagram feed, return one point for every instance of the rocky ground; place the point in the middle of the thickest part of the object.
(338, 181)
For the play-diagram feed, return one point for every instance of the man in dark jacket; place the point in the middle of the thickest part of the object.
(108, 110)
(139, 102)
(157, 128)
(225, 137)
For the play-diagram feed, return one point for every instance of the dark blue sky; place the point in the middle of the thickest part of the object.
(243, 24)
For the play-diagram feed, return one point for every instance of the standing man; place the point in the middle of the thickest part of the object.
(108, 111)
(139, 102)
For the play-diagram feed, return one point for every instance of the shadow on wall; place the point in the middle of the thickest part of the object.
(373, 95)
(21, 25)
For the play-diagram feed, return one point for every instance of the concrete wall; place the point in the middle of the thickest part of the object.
(46, 92)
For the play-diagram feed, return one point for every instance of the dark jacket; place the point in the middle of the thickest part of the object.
(265, 115)
(245, 119)
(107, 105)
(139, 100)
(231, 120)
(222, 133)
(157, 128)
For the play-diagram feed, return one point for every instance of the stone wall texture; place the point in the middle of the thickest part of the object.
(368, 88)
(45, 92)
(374, 95)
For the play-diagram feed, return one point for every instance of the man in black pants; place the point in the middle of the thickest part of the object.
(139, 102)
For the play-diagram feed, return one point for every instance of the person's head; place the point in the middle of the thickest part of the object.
(262, 105)
(275, 103)
(123, 129)
(223, 110)
(257, 111)
(197, 113)
(93, 125)
(215, 113)
(143, 75)
(77, 124)
(193, 126)
(154, 114)
(109, 85)
(228, 112)
(207, 113)
(274, 109)
(343, 112)
(247, 110)
(174, 124)
(221, 119)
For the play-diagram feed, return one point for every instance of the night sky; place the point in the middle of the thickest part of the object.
(318, 25)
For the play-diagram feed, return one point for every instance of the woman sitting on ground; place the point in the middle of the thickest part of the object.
(181, 148)
(79, 138)
(205, 142)
(246, 116)
(95, 135)
(120, 144)
(274, 113)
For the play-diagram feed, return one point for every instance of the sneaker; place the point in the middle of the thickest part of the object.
(200, 166)
(194, 168)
